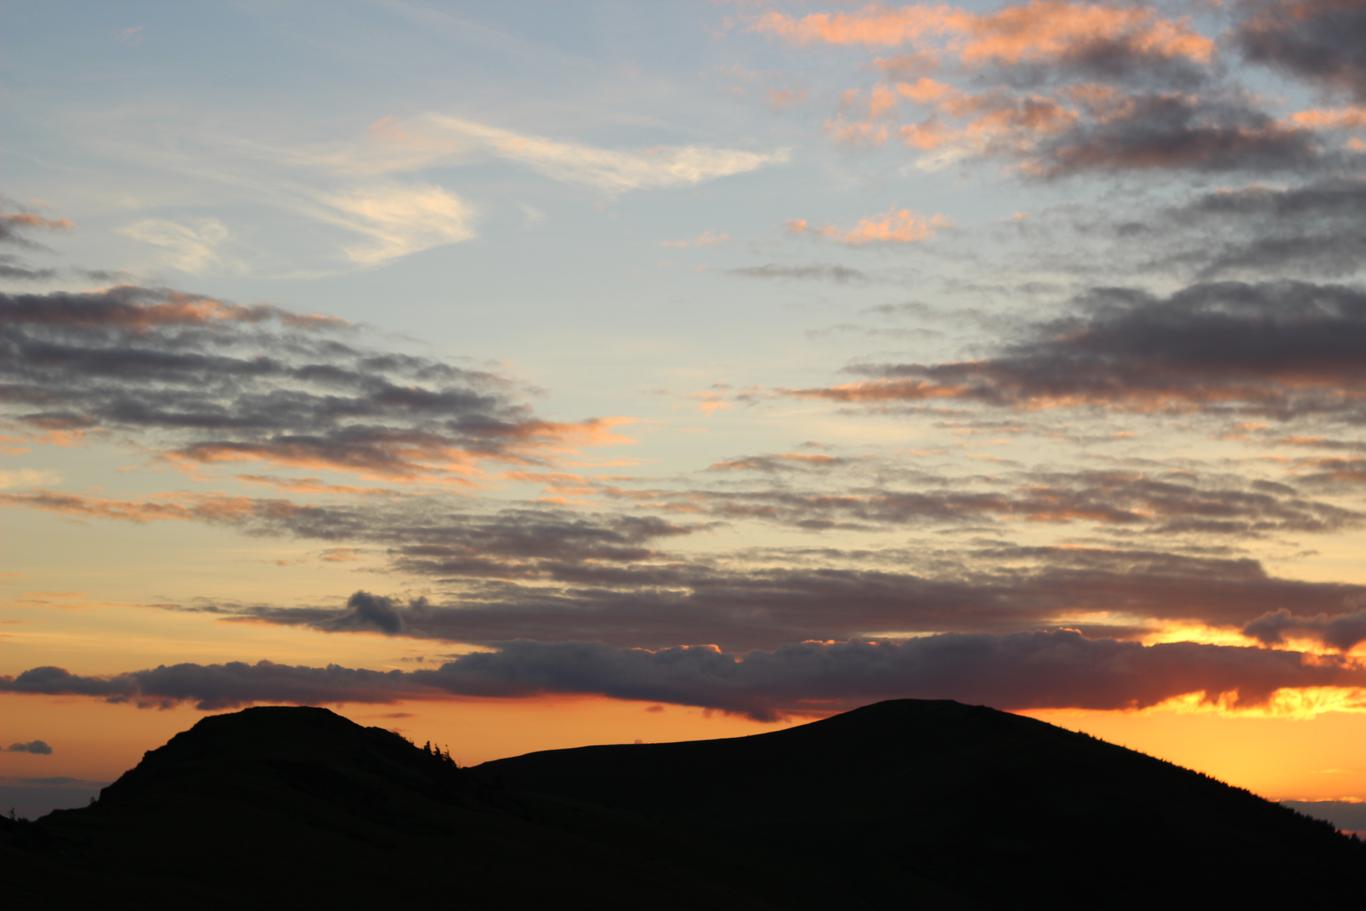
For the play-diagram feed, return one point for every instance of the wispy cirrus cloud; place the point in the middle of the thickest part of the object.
(397, 184)
(401, 220)
(610, 170)
(190, 247)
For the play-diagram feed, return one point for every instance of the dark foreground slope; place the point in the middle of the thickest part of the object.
(925, 803)
(981, 803)
(274, 806)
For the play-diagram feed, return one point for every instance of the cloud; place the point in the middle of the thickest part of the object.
(17, 222)
(611, 170)
(37, 747)
(707, 238)
(1277, 349)
(1341, 631)
(1175, 503)
(1316, 40)
(1056, 89)
(401, 220)
(1026, 32)
(782, 461)
(367, 611)
(391, 186)
(627, 595)
(13, 269)
(26, 477)
(1316, 230)
(1177, 132)
(897, 226)
(1094, 128)
(221, 685)
(193, 248)
(1049, 669)
(550, 574)
(512, 543)
(209, 381)
(842, 275)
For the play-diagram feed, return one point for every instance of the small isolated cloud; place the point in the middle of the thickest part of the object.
(785, 99)
(192, 247)
(26, 477)
(897, 226)
(705, 239)
(400, 220)
(37, 747)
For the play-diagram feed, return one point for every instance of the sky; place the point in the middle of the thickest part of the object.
(528, 375)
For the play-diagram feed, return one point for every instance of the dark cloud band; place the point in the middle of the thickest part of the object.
(1025, 670)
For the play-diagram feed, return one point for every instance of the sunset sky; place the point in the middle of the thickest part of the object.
(529, 375)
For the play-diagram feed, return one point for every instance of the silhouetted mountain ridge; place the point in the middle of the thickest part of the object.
(928, 801)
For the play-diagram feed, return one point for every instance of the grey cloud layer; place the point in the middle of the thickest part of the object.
(1025, 670)
(225, 382)
(1341, 631)
(1178, 131)
(1275, 349)
(1316, 40)
(842, 275)
(658, 604)
(551, 575)
(1132, 501)
(1313, 230)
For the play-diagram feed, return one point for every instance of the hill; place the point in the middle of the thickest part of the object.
(933, 802)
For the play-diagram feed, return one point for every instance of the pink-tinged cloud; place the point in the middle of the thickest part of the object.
(1031, 32)
(1350, 118)
(168, 507)
(872, 25)
(31, 220)
(898, 226)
